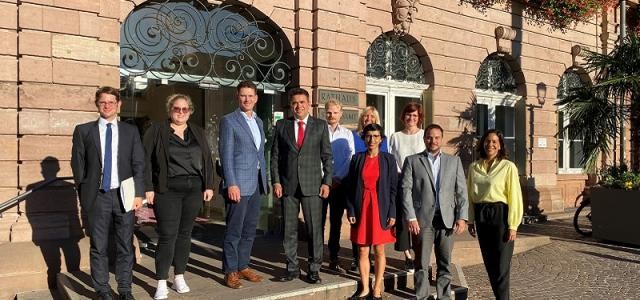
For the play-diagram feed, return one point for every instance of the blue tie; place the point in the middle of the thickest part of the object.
(106, 169)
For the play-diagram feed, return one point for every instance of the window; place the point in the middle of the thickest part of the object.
(496, 99)
(395, 77)
(492, 113)
(569, 150)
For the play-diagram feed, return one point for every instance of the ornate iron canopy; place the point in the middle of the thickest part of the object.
(196, 42)
(496, 75)
(569, 81)
(393, 58)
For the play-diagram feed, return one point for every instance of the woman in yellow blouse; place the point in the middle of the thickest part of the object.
(495, 203)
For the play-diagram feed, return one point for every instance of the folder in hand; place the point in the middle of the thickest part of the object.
(127, 193)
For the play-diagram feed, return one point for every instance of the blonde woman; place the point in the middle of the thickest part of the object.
(178, 176)
(368, 116)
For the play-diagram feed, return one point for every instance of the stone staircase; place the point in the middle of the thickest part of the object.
(40, 237)
(205, 277)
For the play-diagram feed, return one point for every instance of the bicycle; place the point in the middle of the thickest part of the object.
(582, 217)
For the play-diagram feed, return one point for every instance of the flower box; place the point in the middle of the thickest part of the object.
(614, 214)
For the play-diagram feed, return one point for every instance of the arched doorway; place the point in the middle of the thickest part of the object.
(498, 103)
(204, 51)
(395, 76)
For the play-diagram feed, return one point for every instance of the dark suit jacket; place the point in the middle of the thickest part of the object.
(86, 160)
(156, 142)
(310, 166)
(387, 186)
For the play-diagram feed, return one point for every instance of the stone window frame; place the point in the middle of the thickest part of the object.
(493, 99)
(563, 134)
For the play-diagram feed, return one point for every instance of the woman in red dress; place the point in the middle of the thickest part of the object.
(371, 208)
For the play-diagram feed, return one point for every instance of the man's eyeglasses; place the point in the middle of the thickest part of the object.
(177, 110)
(104, 103)
(372, 136)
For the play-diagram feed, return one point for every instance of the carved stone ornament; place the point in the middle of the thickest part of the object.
(504, 33)
(403, 11)
(578, 52)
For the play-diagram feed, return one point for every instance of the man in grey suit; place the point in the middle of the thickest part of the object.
(434, 196)
(241, 147)
(301, 170)
(104, 153)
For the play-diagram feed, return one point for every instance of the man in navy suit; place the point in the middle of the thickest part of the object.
(104, 153)
(241, 145)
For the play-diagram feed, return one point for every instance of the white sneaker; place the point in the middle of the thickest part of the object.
(180, 285)
(161, 291)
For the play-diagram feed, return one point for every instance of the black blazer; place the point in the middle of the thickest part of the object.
(386, 187)
(156, 142)
(86, 160)
(309, 166)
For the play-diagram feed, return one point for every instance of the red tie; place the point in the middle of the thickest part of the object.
(300, 134)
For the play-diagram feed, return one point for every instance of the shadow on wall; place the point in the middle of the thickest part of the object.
(465, 143)
(55, 222)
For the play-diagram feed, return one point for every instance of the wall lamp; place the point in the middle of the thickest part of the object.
(541, 90)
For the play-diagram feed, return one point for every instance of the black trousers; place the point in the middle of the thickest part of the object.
(175, 212)
(335, 204)
(108, 212)
(403, 236)
(492, 229)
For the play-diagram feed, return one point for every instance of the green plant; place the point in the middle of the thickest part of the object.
(619, 177)
(593, 111)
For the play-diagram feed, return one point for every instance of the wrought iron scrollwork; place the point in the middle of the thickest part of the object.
(569, 82)
(195, 42)
(392, 58)
(496, 75)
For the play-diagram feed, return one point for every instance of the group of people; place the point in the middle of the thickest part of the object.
(404, 191)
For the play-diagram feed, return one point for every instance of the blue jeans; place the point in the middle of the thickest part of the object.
(241, 219)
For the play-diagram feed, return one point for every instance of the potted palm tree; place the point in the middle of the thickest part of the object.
(594, 114)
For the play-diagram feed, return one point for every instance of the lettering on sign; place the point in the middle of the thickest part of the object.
(349, 117)
(346, 98)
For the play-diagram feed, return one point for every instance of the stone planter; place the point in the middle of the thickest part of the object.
(615, 215)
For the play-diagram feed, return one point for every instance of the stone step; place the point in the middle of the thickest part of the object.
(45, 260)
(398, 285)
(25, 265)
(39, 295)
(19, 283)
(206, 279)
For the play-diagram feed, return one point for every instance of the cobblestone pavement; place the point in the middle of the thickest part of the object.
(571, 267)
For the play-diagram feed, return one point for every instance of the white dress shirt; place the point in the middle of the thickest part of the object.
(295, 127)
(102, 127)
(434, 162)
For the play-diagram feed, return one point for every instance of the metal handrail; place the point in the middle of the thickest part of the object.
(13, 201)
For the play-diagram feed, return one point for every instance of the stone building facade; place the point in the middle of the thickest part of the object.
(472, 71)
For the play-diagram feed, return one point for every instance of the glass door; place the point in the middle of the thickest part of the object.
(389, 100)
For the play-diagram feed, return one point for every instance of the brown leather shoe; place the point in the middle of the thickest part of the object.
(233, 280)
(248, 274)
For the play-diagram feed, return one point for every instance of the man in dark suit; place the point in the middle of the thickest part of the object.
(104, 153)
(241, 147)
(301, 170)
(434, 197)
